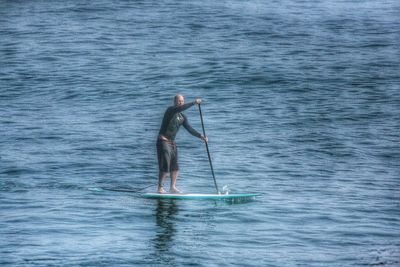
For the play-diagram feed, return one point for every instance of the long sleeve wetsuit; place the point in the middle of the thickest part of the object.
(173, 119)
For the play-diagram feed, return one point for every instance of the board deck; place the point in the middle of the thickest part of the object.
(199, 196)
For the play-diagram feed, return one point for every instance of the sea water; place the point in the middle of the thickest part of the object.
(302, 105)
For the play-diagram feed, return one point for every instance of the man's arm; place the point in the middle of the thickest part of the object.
(190, 129)
(176, 109)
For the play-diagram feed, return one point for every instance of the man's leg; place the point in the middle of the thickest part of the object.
(173, 189)
(161, 178)
(174, 170)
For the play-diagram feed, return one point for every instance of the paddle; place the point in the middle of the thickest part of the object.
(208, 151)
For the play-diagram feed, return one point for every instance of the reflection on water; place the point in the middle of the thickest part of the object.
(163, 241)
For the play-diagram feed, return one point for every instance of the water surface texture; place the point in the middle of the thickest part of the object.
(302, 105)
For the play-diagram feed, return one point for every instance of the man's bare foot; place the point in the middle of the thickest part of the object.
(175, 190)
(161, 190)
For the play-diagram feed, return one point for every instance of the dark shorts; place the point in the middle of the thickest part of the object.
(167, 155)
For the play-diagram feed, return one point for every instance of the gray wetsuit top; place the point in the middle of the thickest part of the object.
(173, 119)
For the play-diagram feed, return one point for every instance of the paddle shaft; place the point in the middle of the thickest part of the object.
(208, 150)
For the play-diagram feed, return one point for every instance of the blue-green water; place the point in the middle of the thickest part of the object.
(302, 104)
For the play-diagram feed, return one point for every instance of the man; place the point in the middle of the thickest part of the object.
(167, 153)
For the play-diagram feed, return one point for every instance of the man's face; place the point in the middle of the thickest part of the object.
(179, 101)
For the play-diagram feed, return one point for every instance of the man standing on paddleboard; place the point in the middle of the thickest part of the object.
(167, 153)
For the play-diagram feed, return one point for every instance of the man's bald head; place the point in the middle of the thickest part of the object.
(179, 100)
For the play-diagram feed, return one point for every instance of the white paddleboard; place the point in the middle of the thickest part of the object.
(199, 196)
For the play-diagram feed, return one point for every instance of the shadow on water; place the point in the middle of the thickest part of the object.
(166, 222)
(165, 213)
